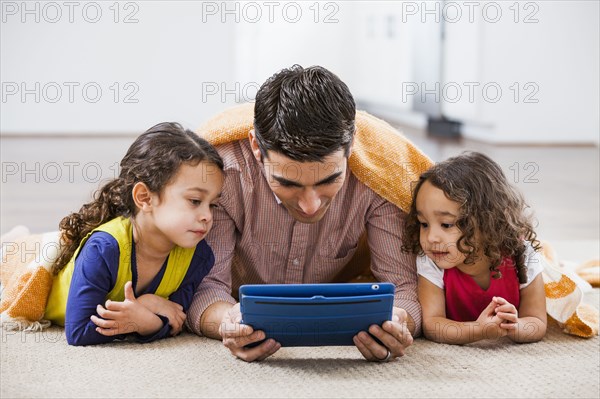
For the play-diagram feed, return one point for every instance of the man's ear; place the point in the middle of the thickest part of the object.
(142, 196)
(254, 145)
(351, 147)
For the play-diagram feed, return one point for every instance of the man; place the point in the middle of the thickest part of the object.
(292, 212)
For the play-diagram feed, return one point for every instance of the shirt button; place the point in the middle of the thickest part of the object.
(296, 262)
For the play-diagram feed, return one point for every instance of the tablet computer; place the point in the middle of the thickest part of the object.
(315, 314)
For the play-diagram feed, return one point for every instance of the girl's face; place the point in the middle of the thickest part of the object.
(183, 213)
(439, 233)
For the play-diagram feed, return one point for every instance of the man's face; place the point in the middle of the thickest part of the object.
(306, 189)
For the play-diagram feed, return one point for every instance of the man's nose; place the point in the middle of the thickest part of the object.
(309, 202)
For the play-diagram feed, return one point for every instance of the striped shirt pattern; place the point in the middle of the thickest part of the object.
(256, 241)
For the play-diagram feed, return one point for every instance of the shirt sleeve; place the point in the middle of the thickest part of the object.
(535, 263)
(385, 223)
(94, 275)
(216, 286)
(428, 269)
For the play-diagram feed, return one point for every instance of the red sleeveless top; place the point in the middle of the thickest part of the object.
(465, 300)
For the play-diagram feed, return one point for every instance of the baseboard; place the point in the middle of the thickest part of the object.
(486, 134)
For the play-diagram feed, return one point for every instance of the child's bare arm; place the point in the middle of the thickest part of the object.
(529, 323)
(437, 327)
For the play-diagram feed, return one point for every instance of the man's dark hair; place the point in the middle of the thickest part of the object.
(305, 114)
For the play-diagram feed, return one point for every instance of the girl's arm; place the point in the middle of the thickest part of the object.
(177, 305)
(529, 323)
(94, 276)
(128, 316)
(438, 328)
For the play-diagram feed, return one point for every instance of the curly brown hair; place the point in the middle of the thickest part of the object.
(493, 214)
(153, 159)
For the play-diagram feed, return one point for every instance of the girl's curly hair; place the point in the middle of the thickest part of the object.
(154, 159)
(493, 215)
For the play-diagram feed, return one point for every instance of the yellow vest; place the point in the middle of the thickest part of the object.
(121, 229)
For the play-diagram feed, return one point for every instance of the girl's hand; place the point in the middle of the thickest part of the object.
(125, 317)
(166, 308)
(507, 312)
(489, 323)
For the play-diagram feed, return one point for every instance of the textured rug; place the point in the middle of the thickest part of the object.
(42, 365)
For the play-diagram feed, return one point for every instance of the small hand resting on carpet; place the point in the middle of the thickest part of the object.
(129, 262)
(479, 269)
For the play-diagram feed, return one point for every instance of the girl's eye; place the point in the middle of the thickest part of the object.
(214, 206)
(447, 225)
(195, 202)
(423, 225)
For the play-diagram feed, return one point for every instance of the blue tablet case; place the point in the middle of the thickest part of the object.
(315, 314)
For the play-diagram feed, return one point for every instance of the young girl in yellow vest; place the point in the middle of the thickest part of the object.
(134, 256)
(478, 265)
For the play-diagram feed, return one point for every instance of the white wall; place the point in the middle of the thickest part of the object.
(189, 60)
(307, 33)
(554, 59)
(169, 57)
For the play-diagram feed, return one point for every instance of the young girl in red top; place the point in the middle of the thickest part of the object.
(478, 265)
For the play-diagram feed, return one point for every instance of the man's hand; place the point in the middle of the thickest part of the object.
(236, 336)
(394, 335)
(125, 317)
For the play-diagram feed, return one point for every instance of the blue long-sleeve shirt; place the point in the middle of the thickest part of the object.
(95, 275)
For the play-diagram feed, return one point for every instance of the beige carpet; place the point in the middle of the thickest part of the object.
(36, 365)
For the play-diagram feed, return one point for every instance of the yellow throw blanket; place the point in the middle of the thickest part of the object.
(26, 279)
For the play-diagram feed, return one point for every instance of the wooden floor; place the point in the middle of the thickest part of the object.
(45, 178)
